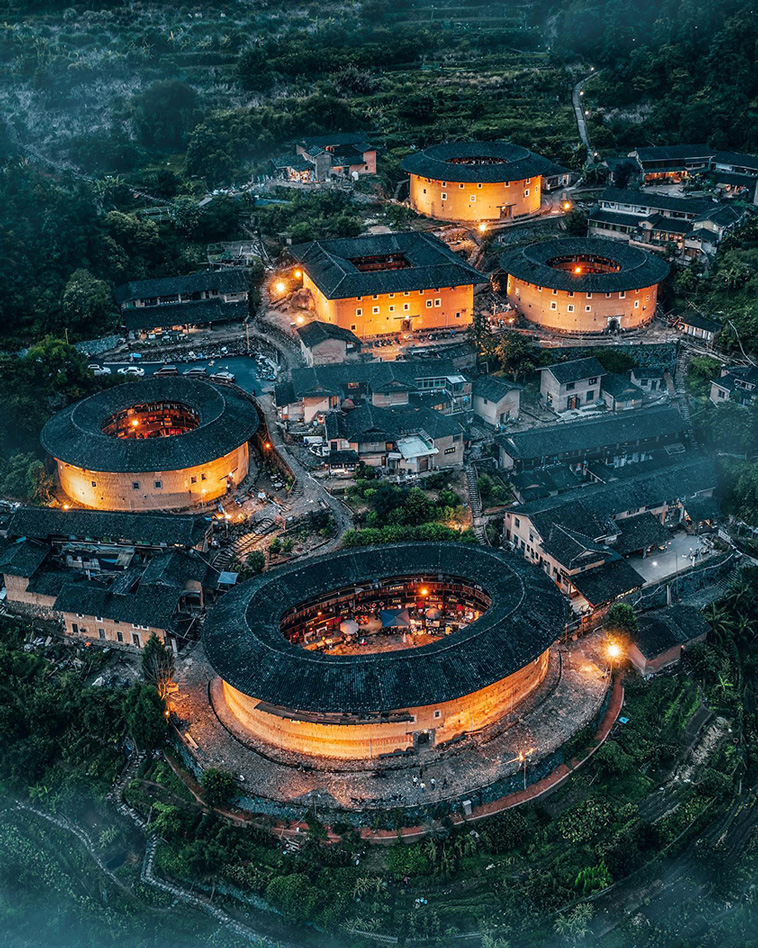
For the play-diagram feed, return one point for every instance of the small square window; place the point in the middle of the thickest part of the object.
(570, 308)
(429, 304)
(526, 193)
(158, 484)
(374, 310)
(353, 327)
(443, 196)
(202, 477)
(359, 312)
(193, 480)
(587, 309)
(461, 186)
(135, 485)
(622, 295)
(375, 296)
(437, 714)
(438, 302)
(406, 307)
(553, 305)
(391, 308)
(472, 198)
(101, 633)
(94, 483)
(589, 296)
(636, 304)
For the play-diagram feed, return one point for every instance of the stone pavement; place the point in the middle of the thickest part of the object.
(282, 785)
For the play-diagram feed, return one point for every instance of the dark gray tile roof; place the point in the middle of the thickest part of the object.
(680, 480)
(601, 215)
(663, 629)
(317, 331)
(503, 162)
(736, 159)
(575, 370)
(639, 532)
(244, 644)
(657, 202)
(636, 268)
(673, 152)
(22, 557)
(493, 387)
(230, 280)
(368, 423)
(698, 321)
(152, 606)
(430, 265)
(227, 419)
(620, 388)
(374, 376)
(151, 529)
(668, 225)
(581, 436)
(608, 582)
(180, 314)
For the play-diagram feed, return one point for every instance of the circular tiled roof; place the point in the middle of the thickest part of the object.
(500, 162)
(227, 418)
(243, 641)
(636, 268)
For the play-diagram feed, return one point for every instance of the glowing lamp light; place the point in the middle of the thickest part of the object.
(614, 650)
(297, 274)
(135, 423)
(280, 287)
(267, 445)
(67, 506)
(424, 591)
(482, 228)
(577, 269)
(566, 205)
(300, 320)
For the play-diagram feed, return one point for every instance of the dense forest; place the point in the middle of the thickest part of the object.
(672, 71)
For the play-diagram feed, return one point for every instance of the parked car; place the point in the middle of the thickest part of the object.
(134, 370)
(101, 370)
(196, 372)
(227, 377)
(165, 370)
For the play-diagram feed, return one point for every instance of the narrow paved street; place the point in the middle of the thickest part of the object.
(581, 121)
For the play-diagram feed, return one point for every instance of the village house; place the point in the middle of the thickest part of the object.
(655, 221)
(569, 385)
(312, 392)
(619, 393)
(619, 439)
(662, 636)
(672, 163)
(737, 383)
(579, 537)
(651, 379)
(326, 344)
(496, 400)
(699, 327)
(199, 299)
(383, 284)
(319, 158)
(401, 440)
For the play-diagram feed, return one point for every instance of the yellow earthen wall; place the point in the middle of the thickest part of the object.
(455, 309)
(444, 721)
(426, 195)
(591, 313)
(107, 491)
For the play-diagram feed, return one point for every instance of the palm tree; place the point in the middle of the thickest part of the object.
(720, 621)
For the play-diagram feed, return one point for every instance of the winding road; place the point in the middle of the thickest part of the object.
(576, 100)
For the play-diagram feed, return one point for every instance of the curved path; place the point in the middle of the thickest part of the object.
(576, 100)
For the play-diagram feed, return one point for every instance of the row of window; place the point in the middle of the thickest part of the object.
(136, 638)
(570, 307)
(157, 485)
(571, 293)
(436, 289)
(479, 185)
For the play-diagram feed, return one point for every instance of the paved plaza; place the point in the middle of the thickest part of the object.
(682, 552)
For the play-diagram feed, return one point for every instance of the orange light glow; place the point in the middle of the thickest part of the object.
(482, 228)
(300, 320)
(577, 269)
(566, 205)
(267, 445)
(424, 591)
(297, 274)
(135, 422)
(280, 287)
(614, 650)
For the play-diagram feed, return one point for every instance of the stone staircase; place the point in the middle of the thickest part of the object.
(475, 502)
